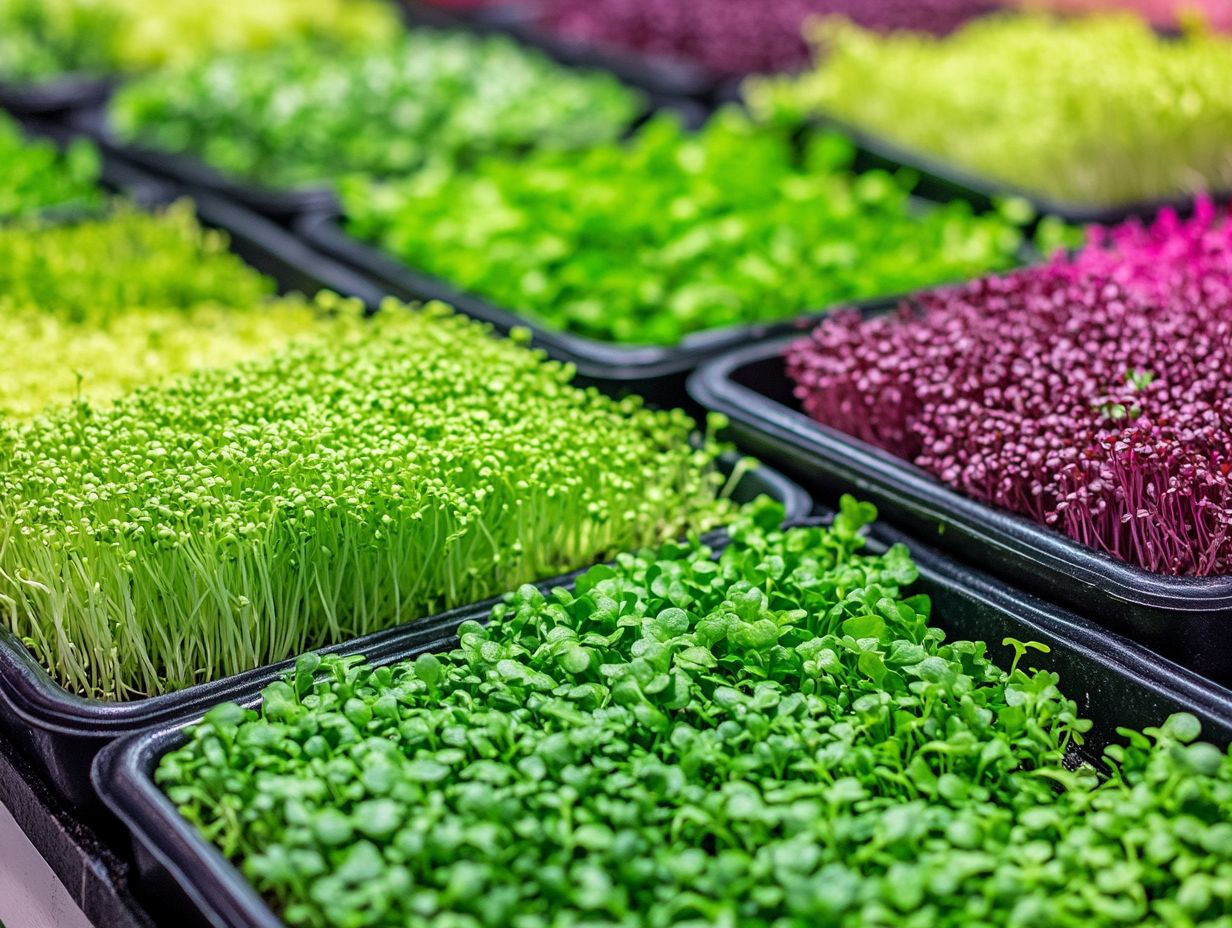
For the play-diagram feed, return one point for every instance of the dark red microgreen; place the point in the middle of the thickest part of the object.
(1091, 394)
(731, 37)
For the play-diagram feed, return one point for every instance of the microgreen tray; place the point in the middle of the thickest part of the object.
(62, 731)
(1184, 619)
(942, 181)
(1116, 683)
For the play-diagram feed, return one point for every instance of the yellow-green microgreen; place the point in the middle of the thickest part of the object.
(1098, 110)
(42, 39)
(343, 484)
(102, 305)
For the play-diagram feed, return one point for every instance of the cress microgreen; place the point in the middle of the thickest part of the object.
(36, 175)
(776, 738)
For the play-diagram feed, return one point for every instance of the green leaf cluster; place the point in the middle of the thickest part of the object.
(299, 115)
(44, 39)
(1098, 110)
(771, 738)
(369, 476)
(37, 176)
(101, 305)
(673, 232)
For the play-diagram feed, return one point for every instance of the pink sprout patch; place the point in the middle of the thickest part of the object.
(1092, 394)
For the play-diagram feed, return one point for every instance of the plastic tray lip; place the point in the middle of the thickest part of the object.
(39, 700)
(714, 387)
(196, 174)
(123, 772)
(594, 359)
(59, 94)
(982, 190)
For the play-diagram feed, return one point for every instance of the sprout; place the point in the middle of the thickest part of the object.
(36, 176)
(346, 483)
(1090, 394)
(387, 109)
(777, 736)
(673, 232)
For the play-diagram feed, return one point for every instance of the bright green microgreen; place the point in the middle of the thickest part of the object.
(776, 737)
(36, 176)
(348, 482)
(301, 115)
(673, 232)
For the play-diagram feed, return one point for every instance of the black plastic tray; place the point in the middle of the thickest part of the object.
(657, 372)
(479, 19)
(942, 180)
(82, 859)
(61, 731)
(1115, 683)
(55, 97)
(1188, 620)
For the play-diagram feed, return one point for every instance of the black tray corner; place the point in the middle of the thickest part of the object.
(1185, 619)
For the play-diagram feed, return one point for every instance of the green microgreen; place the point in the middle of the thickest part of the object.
(370, 476)
(36, 176)
(299, 115)
(672, 232)
(102, 305)
(776, 737)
